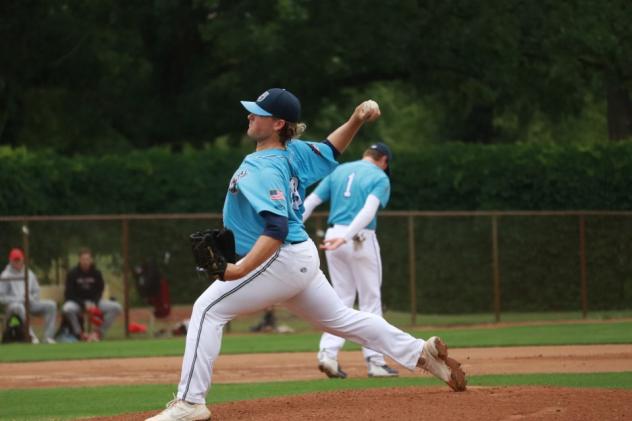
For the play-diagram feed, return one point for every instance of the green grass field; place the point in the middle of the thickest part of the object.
(547, 334)
(402, 319)
(53, 403)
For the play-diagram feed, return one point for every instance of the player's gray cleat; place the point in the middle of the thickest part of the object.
(381, 370)
(330, 367)
(434, 359)
(180, 410)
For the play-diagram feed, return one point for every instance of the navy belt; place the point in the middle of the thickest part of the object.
(241, 257)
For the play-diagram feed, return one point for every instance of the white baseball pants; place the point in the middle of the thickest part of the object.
(355, 268)
(292, 276)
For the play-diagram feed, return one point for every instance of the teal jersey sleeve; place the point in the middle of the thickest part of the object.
(382, 190)
(312, 160)
(323, 190)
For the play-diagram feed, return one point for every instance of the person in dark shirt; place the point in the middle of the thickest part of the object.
(84, 294)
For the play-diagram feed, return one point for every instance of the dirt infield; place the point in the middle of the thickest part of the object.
(511, 403)
(302, 366)
(435, 404)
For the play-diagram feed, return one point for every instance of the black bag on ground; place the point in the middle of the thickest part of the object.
(14, 330)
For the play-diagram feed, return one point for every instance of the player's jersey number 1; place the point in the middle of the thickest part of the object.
(350, 178)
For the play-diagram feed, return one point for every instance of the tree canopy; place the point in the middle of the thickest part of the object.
(89, 76)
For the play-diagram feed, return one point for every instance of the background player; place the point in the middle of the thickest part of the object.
(280, 263)
(357, 190)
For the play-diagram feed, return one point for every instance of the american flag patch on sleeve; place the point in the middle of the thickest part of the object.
(276, 195)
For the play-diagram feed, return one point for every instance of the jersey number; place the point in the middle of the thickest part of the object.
(347, 192)
(296, 197)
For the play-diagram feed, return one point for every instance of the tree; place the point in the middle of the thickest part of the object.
(109, 75)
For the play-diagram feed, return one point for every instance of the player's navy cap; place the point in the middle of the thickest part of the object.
(276, 102)
(384, 150)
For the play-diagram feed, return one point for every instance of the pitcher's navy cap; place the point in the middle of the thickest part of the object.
(276, 102)
(384, 150)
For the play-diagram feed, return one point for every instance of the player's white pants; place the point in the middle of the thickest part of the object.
(355, 268)
(292, 276)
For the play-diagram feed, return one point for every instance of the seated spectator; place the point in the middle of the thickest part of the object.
(12, 296)
(83, 295)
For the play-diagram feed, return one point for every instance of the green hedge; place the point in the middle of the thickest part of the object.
(510, 177)
(446, 177)
(150, 181)
(539, 264)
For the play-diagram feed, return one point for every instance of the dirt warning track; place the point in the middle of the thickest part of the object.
(302, 366)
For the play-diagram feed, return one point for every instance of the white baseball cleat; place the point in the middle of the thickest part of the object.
(381, 370)
(180, 410)
(330, 367)
(434, 359)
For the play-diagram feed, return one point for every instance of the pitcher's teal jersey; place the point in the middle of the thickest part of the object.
(275, 181)
(261, 183)
(348, 188)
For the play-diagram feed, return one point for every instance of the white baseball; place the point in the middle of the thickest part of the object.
(370, 105)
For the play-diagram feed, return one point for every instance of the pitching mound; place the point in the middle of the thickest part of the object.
(436, 404)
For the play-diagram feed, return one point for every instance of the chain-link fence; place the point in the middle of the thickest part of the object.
(433, 262)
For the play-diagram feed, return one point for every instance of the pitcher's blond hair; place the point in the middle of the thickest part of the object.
(291, 131)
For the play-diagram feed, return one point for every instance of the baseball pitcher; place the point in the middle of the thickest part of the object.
(277, 262)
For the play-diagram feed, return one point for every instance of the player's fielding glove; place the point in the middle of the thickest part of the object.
(213, 249)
